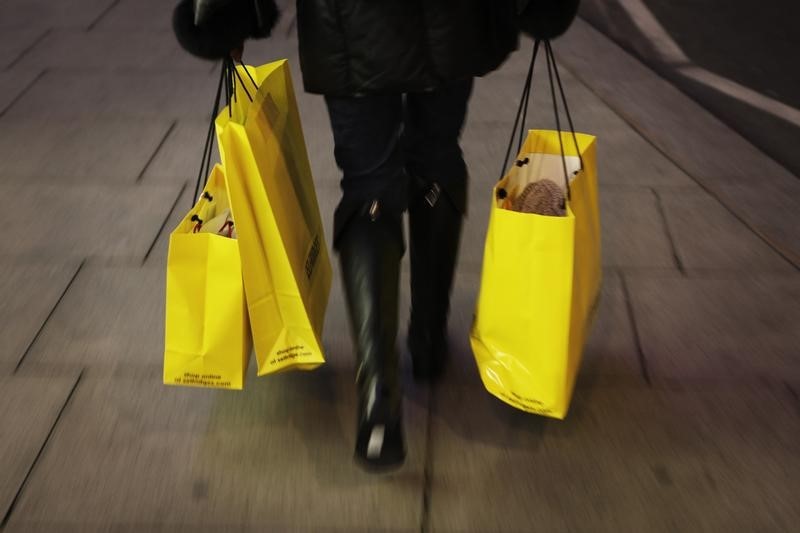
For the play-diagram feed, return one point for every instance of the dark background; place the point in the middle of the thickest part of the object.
(755, 44)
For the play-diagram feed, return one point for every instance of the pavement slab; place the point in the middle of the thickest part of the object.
(141, 95)
(625, 459)
(728, 328)
(106, 50)
(137, 15)
(13, 84)
(794, 390)
(29, 294)
(119, 327)
(708, 236)
(275, 457)
(633, 231)
(179, 158)
(158, 254)
(15, 41)
(29, 407)
(48, 14)
(45, 221)
(626, 158)
(92, 149)
(771, 211)
(484, 145)
(611, 355)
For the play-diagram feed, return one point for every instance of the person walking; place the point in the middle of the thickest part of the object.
(396, 76)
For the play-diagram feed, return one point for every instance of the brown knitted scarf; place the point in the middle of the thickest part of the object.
(543, 197)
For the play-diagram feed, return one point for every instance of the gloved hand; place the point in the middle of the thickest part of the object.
(546, 19)
(212, 29)
(205, 10)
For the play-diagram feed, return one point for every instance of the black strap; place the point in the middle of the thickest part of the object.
(558, 120)
(227, 79)
(239, 77)
(247, 71)
(230, 90)
(205, 162)
(523, 104)
(566, 105)
(522, 109)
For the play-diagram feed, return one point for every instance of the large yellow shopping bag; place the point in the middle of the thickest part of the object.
(285, 263)
(207, 338)
(541, 277)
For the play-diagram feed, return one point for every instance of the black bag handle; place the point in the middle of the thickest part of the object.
(522, 110)
(205, 161)
(227, 79)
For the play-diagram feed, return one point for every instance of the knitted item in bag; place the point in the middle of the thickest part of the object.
(543, 197)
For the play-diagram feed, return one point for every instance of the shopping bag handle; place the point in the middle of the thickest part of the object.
(227, 80)
(522, 110)
(231, 74)
(239, 76)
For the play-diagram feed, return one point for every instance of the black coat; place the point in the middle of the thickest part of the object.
(352, 47)
(366, 46)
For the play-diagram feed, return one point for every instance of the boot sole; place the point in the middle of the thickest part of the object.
(378, 468)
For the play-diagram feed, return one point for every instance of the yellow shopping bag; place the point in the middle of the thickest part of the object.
(207, 338)
(541, 277)
(285, 263)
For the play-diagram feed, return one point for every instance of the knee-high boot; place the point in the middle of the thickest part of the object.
(435, 232)
(370, 254)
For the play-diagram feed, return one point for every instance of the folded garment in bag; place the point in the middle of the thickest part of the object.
(543, 197)
(221, 224)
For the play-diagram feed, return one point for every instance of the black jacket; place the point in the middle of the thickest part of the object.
(352, 47)
(366, 46)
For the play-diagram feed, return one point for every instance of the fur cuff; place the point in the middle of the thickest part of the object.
(223, 28)
(547, 19)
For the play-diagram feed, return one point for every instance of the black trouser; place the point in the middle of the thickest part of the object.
(382, 139)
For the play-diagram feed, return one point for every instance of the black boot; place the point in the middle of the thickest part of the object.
(435, 226)
(370, 254)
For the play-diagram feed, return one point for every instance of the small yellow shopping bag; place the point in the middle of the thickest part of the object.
(541, 277)
(207, 337)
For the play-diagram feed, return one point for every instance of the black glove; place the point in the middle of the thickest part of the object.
(546, 19)
(206, 10)
(210, 29)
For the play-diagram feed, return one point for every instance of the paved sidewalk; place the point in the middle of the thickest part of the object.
(687, 412)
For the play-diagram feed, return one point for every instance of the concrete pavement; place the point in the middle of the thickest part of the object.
(686, 416)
